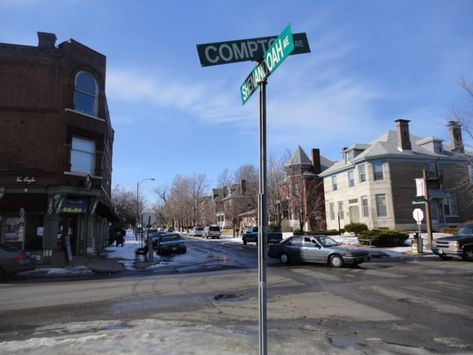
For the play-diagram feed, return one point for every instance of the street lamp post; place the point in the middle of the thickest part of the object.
(138, 201)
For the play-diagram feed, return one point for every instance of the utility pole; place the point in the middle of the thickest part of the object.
(262, 224)
(428, 220)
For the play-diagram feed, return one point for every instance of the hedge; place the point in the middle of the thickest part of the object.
(385, 237)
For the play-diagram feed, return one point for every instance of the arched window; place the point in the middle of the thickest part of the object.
(85, 94)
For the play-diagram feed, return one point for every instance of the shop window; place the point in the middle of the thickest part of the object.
(85, 94)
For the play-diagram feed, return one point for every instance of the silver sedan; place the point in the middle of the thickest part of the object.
(316, 249)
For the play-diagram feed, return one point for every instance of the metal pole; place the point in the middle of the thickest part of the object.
(428, 220)
(137, 210)
(262, 224)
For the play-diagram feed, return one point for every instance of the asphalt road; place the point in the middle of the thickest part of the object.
(417, 306)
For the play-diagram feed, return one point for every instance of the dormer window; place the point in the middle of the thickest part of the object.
(85, 93)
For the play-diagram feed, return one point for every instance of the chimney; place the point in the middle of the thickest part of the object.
(403, 139)
(455, 132)
(46, 40)
(316, 161)
(243, 186)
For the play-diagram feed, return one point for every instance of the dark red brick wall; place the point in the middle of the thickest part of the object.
(36, 86)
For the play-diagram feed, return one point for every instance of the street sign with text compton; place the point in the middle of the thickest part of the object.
(250, 49)
(272, 58)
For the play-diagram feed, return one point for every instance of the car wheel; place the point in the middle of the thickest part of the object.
(3, 275)
(336, 261)
(468, 254)
(284, 258)
(245, 242)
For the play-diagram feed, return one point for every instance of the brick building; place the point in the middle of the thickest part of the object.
(55, 148)
(302, 191)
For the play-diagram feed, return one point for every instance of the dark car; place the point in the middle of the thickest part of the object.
(14, 260)
(316, 249)
(169, 243)
(251, 236)
(459, 245)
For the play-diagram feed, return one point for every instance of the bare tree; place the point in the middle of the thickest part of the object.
(124, 203)
(464, 117)
(275, 198)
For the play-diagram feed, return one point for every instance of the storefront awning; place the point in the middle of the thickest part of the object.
(106, 211)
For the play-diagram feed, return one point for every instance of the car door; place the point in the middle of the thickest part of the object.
(309, 250)
(293, 248)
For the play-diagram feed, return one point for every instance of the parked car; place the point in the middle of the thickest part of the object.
(197, 231)
(14, 260)
(459, 245)
(169, 243)
(316, 249)
(251, 236)
(211, 232)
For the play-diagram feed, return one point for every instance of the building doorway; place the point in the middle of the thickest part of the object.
(354, 214)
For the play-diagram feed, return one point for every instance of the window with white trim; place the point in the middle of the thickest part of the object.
(334, 183)
(378, 171)
(364, 206)
(381, 207)
(341, 215)
(85, 93)
(82, 156)
(362, 172)
(351, 178)
(450, 206)
(332, 211)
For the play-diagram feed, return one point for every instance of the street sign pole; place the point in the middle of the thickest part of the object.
(262, 224)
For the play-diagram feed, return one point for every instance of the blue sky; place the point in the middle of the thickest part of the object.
(371, 63)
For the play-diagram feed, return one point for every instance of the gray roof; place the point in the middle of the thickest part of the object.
(386, 146)
(300, 158)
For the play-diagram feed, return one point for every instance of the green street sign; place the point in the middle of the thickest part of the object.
(418, 202)
(249, 49)
(272, 58)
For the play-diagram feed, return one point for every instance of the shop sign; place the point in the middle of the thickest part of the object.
(26, 180)
(73, 206)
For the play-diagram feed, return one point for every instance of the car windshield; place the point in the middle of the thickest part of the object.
(327, 241)
(170, 238)
(468, 230)
(199, 228)
(214, 229)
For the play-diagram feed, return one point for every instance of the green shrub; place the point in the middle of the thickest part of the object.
(449, 230)
(273, 228)
(356, 228)
(298, 232)
(385, 237)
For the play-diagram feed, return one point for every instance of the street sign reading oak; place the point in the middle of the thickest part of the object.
(272, 58)
(228, 52)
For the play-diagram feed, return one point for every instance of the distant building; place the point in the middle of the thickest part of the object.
(375, 183)
(302, 203)
(55, 148)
